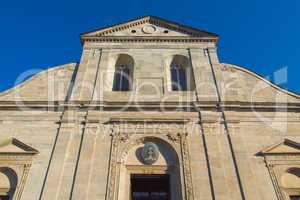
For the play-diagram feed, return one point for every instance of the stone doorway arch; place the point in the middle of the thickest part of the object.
(126, 160)
(167, 163)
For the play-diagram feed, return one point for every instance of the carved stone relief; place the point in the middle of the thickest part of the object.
(148, 29)
(122, 142)
(18, 159)
(150, 153)
(278, 159)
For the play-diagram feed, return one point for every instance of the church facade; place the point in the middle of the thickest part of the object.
(149, 113)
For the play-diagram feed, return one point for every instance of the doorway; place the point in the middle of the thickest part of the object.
(150, 186)
(4, 197)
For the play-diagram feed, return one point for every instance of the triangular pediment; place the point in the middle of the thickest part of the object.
(284, 147)
(14, 146)
(149, 26)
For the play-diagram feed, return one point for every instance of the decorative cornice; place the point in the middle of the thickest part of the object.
(272, 150)
(95, 105)
(152, 20)
(148, 39)
(193, 34)
(148, 120)
(26, 149)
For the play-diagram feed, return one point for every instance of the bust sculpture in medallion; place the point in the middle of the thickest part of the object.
(150, 153)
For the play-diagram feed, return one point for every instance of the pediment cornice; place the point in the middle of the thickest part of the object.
(190, 34)
(13, 146)
(125, 39)
(284, 147)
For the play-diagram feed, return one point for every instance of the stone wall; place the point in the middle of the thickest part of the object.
(80, 126)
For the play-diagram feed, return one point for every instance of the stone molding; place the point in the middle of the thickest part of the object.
(278, 159)
(122, 142)
(110, 106)
(18, 161)
(147, 40)
(193, 35)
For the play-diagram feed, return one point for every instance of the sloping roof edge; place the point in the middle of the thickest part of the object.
(260, 77)
(285, 141)
(151, 19)
(27, 149)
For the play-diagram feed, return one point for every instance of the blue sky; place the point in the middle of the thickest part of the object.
(261, 35)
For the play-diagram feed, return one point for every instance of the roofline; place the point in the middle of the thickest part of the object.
(266, 150)
(111, 26)
(261, 77)
(141, 39)
(183, 25)
(34, 76)
(28, 149)
(154, 17)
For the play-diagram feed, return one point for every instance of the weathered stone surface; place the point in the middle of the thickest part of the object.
(214, 141)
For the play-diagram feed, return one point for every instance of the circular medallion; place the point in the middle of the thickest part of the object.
(150, 153)
(149, 29)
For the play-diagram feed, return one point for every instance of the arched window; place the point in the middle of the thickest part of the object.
(182, 78)
(123, 76)
(8, 183)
